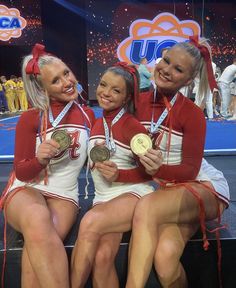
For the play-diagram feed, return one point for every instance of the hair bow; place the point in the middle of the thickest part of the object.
(207, 58)
(32, 67)
(133, 72)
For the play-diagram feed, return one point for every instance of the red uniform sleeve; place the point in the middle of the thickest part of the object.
(192, 148)
(136, 175)
(130, 128)
(26, 165)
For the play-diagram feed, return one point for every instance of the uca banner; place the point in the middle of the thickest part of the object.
(20, 22)
(11, 23)
(147, 38)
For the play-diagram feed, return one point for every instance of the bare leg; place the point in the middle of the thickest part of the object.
(29, 214)
(113, 216)
(172, 239)
(28, 277)
(104, 270)
(173, 205)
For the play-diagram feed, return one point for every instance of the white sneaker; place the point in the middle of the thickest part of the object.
(233, 118)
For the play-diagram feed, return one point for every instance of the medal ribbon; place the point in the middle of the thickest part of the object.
(85, 116)
(154, 126)
(109, 138)
(60, 116)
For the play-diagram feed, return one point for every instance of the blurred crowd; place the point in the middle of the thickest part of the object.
(12, 95)
(221, 104)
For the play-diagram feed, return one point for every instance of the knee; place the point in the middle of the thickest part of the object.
(142, 212)
(36, 223)
(167, 259)
(90, 224)
(105, 257)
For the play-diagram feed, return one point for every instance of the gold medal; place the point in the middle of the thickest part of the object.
(140, 143)
(99, 153)
(62, 138)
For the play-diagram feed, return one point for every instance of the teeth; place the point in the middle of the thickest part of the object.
(163, 77)
(69, 90)
(105, 100)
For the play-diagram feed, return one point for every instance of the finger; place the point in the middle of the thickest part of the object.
(149, 157)
(48, 150)
(105, 164)
(106, 170)
(110, 163)
(149, 166)
(152, 153)
(100, 143)
(52, 143)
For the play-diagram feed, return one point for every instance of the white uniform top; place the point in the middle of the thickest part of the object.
(124, 159)
(122, 131)
(63, 170)
(228, 74)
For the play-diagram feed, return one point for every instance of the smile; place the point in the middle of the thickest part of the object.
(105, 100)
(69, 90)
(162, 77)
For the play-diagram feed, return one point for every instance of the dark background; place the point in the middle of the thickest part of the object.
(85, 33)
(63, 34)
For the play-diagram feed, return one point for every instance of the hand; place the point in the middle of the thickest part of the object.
(46, 151)
(108, 169)
(151, 160)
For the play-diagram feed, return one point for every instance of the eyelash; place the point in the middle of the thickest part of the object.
(179, 70)
(55, 81)
(66, 73)
(167, 61)
(104, 85)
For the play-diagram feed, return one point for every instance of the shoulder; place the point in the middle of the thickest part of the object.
(29, 118)
(188, 110)
(81, 112)
(89, 112)
(97, 127)
(130, 122)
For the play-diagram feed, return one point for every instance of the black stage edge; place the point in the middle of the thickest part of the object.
(200, 265)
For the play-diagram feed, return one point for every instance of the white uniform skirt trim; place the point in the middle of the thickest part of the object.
(56, 196)
(138, 190)
(44, 193)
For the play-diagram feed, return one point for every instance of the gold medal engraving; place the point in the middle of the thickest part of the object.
(99, 154)
(140, 143)
(62, 138)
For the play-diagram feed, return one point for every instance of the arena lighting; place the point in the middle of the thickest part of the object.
(72, 7)
(81, 12)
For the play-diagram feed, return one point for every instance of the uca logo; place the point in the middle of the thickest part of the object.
(147, 38)
(11, 23)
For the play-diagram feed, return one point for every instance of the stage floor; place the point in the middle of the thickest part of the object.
(201, 266)
(220, 136)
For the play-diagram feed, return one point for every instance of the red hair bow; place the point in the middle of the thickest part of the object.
(207, 58)
(32, 67)
(133, 72)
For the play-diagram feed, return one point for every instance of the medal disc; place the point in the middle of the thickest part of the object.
(140, 143)
(62, 138)
(99, 154)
